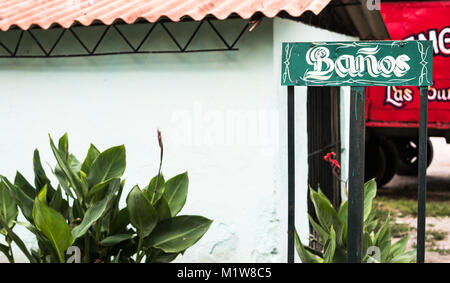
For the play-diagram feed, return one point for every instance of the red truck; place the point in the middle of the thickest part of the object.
(392, 113)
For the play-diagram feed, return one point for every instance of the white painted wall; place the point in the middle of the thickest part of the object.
(286, 30)
(222, 116)
(345, 134)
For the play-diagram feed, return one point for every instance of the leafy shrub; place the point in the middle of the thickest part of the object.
(83, 210)
(332, 230)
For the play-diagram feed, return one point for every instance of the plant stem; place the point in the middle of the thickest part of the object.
(160, 163)
(139, 255)
(11, 255)
(86, 248)
(97, 231)
(157, 179)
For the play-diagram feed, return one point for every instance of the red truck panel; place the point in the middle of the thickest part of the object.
(399, 106)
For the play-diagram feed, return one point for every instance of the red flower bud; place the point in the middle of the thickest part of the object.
(333, 162)
(160, 139)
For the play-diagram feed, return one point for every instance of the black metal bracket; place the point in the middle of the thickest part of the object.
(132, 49)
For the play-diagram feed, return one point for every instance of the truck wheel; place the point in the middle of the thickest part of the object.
(391, 158)
(375, 161)
(408, 152)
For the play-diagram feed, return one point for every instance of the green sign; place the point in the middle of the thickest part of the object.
(359, 63)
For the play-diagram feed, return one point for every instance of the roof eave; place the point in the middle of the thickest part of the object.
(369, 24)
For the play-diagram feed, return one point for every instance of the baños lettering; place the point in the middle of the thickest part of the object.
(364, 62)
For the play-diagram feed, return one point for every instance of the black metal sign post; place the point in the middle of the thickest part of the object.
(291, 173)
(356, 173)
(358, 64)
(422, 190)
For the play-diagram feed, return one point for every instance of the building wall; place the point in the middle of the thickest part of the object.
(286, 30)
(222, 117)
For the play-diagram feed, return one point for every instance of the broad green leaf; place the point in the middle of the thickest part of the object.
(343, 216)
(23, 184)
(74, 163)
(77, 211)
(63, 145)
(383, 240)
(372, 238)
(62, 180)
(58, 203)
(163, 209)
(323, 235)
(98, 191)
(325, 198)
(158, 256)
(8, 208)
(340, 255)
(405, 257)
(109, 164)
(115, 203)
(74, 180)
(370, 191)
(120, 221)
(154, 192)
(343, 212)
(176, 190)
(92, 154)
(399, 247)
(365, 245)
(143, 215)
(330, 247)
(93, 213)
(326, 214)
(113, 206)
(371, 225)
(52, 224)
(165, 258)
(23, 201)
(115, 239)
(40, 179)
(84, 185)
(176, 234)
(305, 256)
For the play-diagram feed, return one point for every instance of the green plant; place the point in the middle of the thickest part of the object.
(332, 230)
(83, 211)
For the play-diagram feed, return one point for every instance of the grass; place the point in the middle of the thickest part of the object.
(405, 207)
(399, 230)
(440, 251)
(435, 235)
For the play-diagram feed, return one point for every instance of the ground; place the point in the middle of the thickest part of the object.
(400, 198)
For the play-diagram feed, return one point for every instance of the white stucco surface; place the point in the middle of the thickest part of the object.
(345, 134)
(222, 117)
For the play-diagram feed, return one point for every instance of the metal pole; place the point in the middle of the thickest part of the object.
(291, 174)
(356, 174)
(422, 174)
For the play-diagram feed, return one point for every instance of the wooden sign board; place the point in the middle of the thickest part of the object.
(358, 63)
